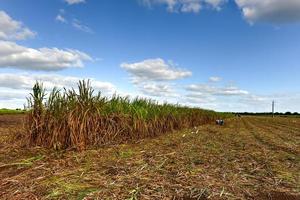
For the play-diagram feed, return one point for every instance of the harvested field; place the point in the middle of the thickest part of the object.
(248, 158)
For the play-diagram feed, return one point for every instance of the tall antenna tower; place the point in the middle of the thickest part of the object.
(273, 108)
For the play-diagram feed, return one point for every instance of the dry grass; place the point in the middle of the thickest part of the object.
(248, 158)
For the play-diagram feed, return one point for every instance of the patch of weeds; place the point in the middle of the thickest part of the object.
(196, 170)
(82, 194)
(35, 158)
(86, 162)
(26, 162)
(54, 193)
(125, 154)
(212, 147)
(287, 176)
(134, 194)
(169, 143)
(58, 154)
(197, 161)
(63, 188)
(195, 157)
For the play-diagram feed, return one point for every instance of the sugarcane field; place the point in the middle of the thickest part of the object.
(81, 146)
(149, 100)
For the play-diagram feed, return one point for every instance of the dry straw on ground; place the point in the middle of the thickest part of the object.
(247, 158)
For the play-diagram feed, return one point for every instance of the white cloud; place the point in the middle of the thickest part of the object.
(233, 99)
(262, 103)
(13, 30)
(154, 70)
(199, 98)
(61, 18)
(254, 99)
(220, 91)
(213, 102)
(212, 97)
(274, 11)
(79, 26)
(216, 3)
(155, 78)
(25, 81)
(193, 6)
(14, 88)
(158, 90)
(71, 2)
(215, 79)
(16, 56)
(12, 95)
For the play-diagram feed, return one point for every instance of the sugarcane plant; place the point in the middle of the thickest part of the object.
(70, 118)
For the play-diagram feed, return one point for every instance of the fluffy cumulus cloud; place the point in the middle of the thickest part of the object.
(274, 11)
(14, 88)
(154, 70)
(234, 99)
(71, 2)
(17, 56)
(193, 6)
(26, 81)
(247, 103)
(199, 98)
(215, 3)
(13, 30)
(13, 55)
(212, 95)
(262, 103)
(218, 91)
(158, 90)
(155, 77)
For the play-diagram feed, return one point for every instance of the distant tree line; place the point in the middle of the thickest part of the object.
(268, 113)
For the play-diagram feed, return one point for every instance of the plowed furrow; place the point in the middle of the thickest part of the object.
(287, 127)
(264, 138)
(285, 135)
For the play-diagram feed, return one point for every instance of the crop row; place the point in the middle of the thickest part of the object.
(81, 118)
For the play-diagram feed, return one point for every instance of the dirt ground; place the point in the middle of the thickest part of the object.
(248, 158)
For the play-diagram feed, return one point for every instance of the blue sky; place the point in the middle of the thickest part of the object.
(234, 55)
